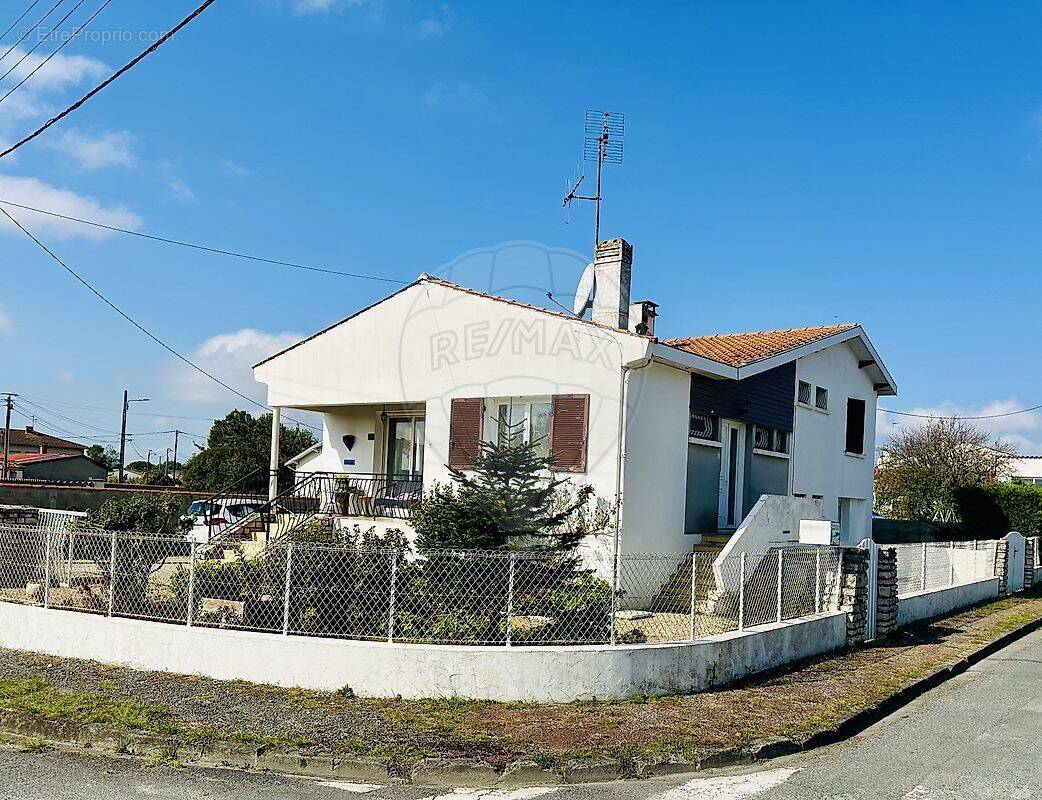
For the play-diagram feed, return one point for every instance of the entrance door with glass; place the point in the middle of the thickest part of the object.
(732, 471)
(405, 444)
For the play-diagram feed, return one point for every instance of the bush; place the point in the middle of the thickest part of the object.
(144, 512)
(995, 509)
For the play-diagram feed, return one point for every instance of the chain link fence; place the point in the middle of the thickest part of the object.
(499, 598)
(929, 566)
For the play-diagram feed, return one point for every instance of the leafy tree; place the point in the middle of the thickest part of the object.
(510, 498)
(995, 509)
(239, 446)
(147, 512)
(921, 468)
(106, 456)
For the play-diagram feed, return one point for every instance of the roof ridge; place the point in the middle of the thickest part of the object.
(837, 326)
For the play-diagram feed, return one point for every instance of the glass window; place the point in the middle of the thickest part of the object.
(805, 392)
(539, 427)
(771, 439)
(704, 426)
(522, 418)
(821, 398)
(405, 445)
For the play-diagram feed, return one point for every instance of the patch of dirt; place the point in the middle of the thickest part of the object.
(793, 703)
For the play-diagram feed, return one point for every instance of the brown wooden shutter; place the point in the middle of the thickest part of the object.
(569, 425)
(465, 424)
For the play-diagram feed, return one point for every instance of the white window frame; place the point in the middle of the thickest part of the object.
(492, 405)
(810, 392)
(818, 390)
(775, 433)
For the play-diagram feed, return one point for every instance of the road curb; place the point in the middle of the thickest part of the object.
(442, 772)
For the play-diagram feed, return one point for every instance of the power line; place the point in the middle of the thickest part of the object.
(43, 39)
(73, 420)
(956, 416)
(55, 52)
(20, 17)
(155, 414)
(205, 248)
(112, 78)
(39, 22)
(138, 325)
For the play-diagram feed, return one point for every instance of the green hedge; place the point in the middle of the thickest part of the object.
(995, 509)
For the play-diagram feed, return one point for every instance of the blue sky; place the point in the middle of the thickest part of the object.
(786, 165)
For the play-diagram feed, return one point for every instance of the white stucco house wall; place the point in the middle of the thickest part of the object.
(688, 433)
(1027, 469)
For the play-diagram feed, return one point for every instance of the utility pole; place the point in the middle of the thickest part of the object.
(123, 432)
(9, 399)
(166, 465)
(177, 433)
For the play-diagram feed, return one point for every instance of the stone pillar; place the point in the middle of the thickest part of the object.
(853, 593)
(1002, 566)
(1029, 562)
(886, 592)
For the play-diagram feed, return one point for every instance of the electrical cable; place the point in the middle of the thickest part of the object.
(137, 324)
(43, 39)
(20, 17)
(112, 78)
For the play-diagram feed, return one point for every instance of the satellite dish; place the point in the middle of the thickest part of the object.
(584, 291)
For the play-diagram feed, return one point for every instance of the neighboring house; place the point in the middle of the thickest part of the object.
(32, 441)
(1027, 469)
(55, 467)
(690, 433)
(301, 463)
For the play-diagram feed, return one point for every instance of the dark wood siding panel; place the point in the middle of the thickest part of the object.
(569, 427)
(765, 399)
(465, 424)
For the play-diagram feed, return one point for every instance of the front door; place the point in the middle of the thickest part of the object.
(405, 445)
(732, 470)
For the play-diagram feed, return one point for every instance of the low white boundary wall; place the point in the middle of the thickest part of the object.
(927, 605)
(377, 669)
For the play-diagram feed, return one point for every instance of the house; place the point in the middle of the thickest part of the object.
(689, 433)
(30, 440)
(1027, 469)
(55, 467)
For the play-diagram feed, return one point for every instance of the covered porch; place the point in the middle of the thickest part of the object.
(368, 463)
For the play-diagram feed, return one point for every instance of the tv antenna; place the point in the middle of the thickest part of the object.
(603, 144)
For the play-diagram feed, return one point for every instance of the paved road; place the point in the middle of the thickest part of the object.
(979, 736)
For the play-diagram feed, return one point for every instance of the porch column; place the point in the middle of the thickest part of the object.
(273, 476)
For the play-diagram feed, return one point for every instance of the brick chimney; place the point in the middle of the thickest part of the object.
(642, 317)
(612, 265)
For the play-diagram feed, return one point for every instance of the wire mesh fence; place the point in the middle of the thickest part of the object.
(930, 566)
(504, 598)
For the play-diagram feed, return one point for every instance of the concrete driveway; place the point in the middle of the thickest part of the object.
(978, 736)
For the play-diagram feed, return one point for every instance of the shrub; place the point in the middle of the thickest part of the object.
(146, 512)
(995, 509)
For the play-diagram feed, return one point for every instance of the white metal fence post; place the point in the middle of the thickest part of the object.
(390, 604)
(614, 598)
(68, 561)
(951, 563)
(47, 569)
(191, 585)
(922, 571)
(741, 594)
(286, 590)
(510, 598)
(112, 573)
(694, 592)
(817, 580)
(781, 556)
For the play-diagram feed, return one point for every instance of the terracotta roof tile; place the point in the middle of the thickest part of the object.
(35, 438)
(739, 349)
(33, 458)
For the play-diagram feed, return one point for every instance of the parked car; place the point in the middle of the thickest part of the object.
(210, 517)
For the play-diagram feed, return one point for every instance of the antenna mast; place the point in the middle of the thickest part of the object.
(603, 144)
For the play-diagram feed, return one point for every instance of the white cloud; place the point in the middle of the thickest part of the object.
(461, 92)
(180, 191)
(322, 6)
(65, 375)
(437, 24)
(235, 169)
(34, 192)
(60, 71)
(229, 356)
(112, 148)
(6, 323)
(1023, 431)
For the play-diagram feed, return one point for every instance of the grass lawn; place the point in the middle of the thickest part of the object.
(794, 703)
